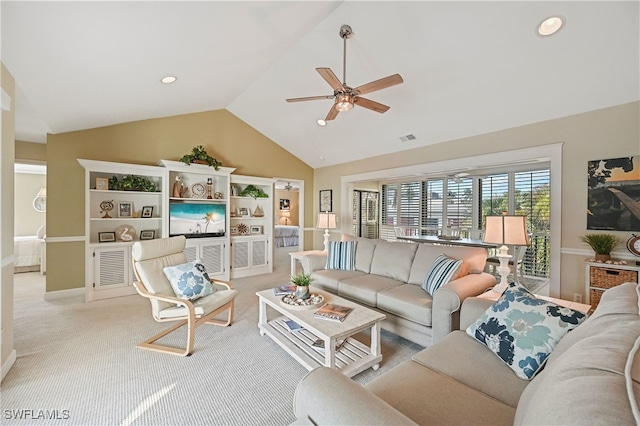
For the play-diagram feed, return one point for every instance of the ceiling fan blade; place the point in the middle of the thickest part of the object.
(333, 113)
(331, 78)
(369, 104)
(383, 83)
(310, 98)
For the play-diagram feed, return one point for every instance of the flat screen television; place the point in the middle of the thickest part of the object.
(197, 220)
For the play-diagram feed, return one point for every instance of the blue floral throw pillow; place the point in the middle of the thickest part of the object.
(522, 330)
(189, 280)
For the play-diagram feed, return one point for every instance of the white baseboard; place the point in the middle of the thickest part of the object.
(62, 294)
(6, 366)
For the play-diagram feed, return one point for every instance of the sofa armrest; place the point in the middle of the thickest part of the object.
(448, 300)
(313, 262)
(327, 397)
(472, 308)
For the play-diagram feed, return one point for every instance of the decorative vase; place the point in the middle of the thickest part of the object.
(602, 257)
(302, 292)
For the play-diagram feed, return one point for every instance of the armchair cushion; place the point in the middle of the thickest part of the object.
(189, 280)
(341, 255)
(522, 330)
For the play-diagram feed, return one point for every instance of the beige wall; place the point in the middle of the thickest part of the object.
(607, 133)
(27, 219)
(29, 152)
(222, 134)
(7, 149)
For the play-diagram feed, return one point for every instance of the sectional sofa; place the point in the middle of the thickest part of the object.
(591, 377)
(388, 277)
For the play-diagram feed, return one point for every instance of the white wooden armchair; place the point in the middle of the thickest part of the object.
(149, 259)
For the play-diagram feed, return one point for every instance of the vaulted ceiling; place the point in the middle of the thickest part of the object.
(468, 67)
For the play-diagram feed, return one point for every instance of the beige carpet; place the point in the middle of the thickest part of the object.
(79, 360)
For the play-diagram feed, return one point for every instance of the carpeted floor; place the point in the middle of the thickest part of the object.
(77, 363)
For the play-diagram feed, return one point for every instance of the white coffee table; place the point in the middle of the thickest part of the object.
(351, 358)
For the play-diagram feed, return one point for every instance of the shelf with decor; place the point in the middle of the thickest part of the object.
(601, 276)
(198, 206)
(123, 203)
(251, 225)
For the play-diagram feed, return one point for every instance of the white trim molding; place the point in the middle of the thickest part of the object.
(8, 260)
(5, 100)
(6, 366)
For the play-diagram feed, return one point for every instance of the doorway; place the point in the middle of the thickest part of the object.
(288, 215)
(365, 214)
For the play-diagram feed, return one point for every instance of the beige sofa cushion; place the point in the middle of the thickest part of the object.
(599, 362)
(393, 260)
(407, 301)
(430, 398)
(468, 361)
(365, 288)
(328, 279)
(364, 251)
(473, 260)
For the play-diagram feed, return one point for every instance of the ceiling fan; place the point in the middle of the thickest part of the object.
(345, 97)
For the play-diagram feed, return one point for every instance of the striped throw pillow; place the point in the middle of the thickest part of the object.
(341, 255)
(440, 273)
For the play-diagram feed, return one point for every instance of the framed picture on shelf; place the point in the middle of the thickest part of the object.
(148, 234)
(106, 237)
(243, 211)
(326, 198)
(102, 184)
(256, 229)
(125, 209)
(233, 230)
(147, 211)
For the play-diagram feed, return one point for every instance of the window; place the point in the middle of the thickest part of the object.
(463, 202)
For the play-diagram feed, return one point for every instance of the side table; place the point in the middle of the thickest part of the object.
(601, 276)
(581, 307)
(297, 256)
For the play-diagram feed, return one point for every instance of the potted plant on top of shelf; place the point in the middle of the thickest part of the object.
(199, 155)
(254, 192)
(601, 244)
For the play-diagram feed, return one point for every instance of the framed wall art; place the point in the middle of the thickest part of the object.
(106, 237)
(102, 184)
(125, 209)
(148, 234)
(326, 200)
(256, 229)
(147, 211)
(285, 204)
(613, 194)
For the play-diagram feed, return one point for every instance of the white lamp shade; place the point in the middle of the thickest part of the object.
(285, 213)
(326, 221)
(506, 230)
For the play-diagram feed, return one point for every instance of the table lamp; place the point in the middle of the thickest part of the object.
(505, 230)
(286, 215)
(327, 221)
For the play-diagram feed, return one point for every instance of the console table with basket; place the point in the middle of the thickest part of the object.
(602, 276)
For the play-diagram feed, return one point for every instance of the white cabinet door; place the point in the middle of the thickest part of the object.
(112, 275)
(250, 256)
(211, 253)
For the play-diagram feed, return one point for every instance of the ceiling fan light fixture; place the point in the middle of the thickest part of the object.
(168, 79)
(321, 122)
(344, 102)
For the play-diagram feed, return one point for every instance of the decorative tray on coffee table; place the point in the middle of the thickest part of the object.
(314, 301)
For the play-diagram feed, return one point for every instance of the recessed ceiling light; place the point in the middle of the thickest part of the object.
(169, 79)
(321, 122)
(550, 26)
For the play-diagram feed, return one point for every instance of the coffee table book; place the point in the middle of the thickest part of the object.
(333, 312)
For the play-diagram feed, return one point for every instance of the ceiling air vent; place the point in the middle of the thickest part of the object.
(407, 138)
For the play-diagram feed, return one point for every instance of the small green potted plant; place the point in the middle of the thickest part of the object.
(601, 244)
(198, 155)
(302, 282)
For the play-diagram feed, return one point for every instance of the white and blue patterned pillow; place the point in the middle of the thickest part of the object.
(522, 330)
(440, 273)
(341, 255)
(189, 280)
